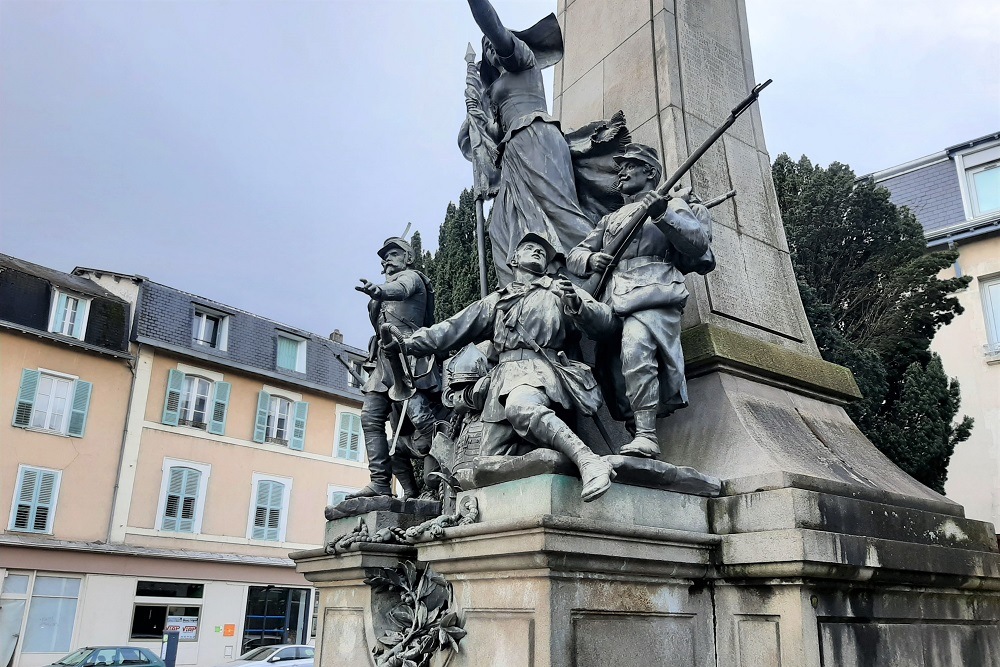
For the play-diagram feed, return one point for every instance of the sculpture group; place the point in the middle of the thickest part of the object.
(585, 246)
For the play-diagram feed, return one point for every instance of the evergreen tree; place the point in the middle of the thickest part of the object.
(454, 268)
(871, 292)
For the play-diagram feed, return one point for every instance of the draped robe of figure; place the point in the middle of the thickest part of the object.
(553, 184)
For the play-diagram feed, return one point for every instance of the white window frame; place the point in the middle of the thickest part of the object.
(336, 488)
(336, 438)
(271, 429)
(208, 402)
(989, 310)
(64, 429)
(82, 312)
(29, 596)
(222, 331)
(199, 507)
(285, 499)
(52, 511)
(300, 352)
(967, 162)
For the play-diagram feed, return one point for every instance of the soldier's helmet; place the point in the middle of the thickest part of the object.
(543, 237)
(399, 243)
(467, 366)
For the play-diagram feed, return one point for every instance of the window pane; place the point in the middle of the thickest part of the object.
(148, 621)
(56, 587)
(287, 353)
(49, 624)
(987, 183)
(16, 584)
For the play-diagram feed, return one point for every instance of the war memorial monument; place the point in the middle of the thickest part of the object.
(629, 451)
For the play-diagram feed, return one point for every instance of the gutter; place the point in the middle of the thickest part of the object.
(970, 231)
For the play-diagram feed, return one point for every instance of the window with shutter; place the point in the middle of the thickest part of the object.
(290, 354)
(51, 402)
(69, 315)
(35, 500)
(268, 510)
(349, 438)
(181, 505)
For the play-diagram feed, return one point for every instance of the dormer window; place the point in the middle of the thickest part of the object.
(209, 328)
(979, 180)
(290, 354)
(68, 314)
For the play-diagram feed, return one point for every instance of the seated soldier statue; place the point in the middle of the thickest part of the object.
(530, 323)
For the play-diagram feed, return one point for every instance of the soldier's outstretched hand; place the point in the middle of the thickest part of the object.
(369, 288)
(568, 293)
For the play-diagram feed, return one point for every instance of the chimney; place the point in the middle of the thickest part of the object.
(336, 336)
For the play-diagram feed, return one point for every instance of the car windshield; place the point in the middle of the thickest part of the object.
(76, 657)
(261, 653)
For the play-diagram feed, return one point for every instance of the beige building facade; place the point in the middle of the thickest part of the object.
(213, 439)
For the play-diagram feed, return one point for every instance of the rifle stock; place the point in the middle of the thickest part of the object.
(634, 223)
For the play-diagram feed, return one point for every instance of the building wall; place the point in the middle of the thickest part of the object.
(234, 458)
(89, 464)
(974, 471)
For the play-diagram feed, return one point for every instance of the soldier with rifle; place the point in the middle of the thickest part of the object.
(646, 290)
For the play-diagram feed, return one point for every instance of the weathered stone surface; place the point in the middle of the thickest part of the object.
(622, 505)
(657, 474)
(359, 506)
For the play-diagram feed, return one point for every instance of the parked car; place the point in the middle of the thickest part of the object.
(289, 655)
(109, 656)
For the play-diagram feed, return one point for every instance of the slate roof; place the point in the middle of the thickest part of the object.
(164, 317)
(930, 188)
(58, 278)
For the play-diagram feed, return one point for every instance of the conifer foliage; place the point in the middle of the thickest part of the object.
(874, 301)
(454, 268)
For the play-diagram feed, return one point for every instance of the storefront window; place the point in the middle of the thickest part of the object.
(150, 621)
(51, 615)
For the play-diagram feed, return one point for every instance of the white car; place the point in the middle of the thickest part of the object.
(289, 655)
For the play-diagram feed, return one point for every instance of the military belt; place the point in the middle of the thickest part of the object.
(523, 354)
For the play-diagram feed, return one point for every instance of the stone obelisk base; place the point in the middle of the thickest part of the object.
(649, 577)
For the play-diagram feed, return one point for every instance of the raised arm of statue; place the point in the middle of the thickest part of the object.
(500, 37)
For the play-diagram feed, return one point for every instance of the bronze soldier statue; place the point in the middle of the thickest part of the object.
(642, 371)
(530, 322)
(403, 304)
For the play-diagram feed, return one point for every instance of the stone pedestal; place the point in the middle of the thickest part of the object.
(786, 576)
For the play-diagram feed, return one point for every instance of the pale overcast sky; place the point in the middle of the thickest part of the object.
(257, 152)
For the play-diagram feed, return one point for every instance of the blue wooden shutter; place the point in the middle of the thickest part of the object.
(267, 513)
(287, 354)
(298, 439)
(81, 405)
(182, 500)
(35, 499)
(26, 397)
(349, 438)
(220, 408)
(260, 423)
(172, 401)
(81, 310)
(60, 315)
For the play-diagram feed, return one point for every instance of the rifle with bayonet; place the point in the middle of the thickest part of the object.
(632, 226)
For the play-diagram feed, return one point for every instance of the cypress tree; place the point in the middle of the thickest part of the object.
(874, 301)
(454, 268)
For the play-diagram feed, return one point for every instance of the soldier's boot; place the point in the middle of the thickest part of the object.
(370, 491)
(595, 471)
(645, 442)
(403, 471)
